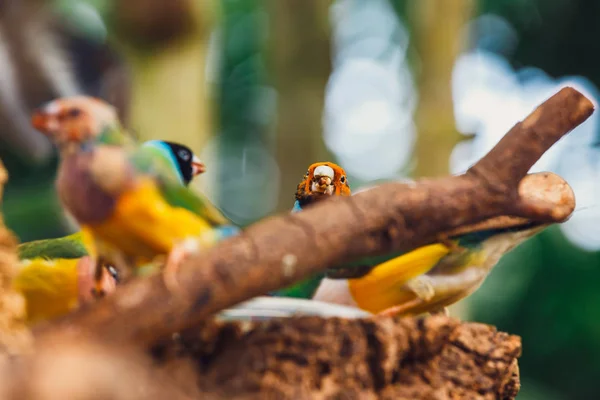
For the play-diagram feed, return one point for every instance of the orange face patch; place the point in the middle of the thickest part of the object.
(74, 119)
(339, 181)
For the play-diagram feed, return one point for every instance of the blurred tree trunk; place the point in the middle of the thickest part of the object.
(438, 27)
(300, 64)
(166, 45)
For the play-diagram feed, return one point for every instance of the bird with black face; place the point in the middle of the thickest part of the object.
(181, 158)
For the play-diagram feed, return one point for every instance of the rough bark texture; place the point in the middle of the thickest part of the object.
(15, 337)
(281, 250)
(309, 358)
(297, 358)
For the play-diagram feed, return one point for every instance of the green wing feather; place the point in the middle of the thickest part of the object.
(66, 247)
(304, 289)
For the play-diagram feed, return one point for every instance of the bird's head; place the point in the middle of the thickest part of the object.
(322, 179)
(76, 119)
(181, 157)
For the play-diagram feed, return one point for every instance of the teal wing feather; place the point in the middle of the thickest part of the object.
(66, 247)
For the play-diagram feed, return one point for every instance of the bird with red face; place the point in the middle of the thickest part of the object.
(321, 180)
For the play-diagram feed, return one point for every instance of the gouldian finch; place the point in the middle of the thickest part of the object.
(427, 278)
(56, 275)
(322, 179)
(451, 272)
(130, 200)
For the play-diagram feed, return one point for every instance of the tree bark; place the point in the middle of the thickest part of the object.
(297, 358)
(312, 358)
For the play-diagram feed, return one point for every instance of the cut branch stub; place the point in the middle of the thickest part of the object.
(540, 188)
(281, 250)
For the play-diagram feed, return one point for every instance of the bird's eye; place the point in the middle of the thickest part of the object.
(113, 272)
(74, 112)
(185, 156)
(343, 179)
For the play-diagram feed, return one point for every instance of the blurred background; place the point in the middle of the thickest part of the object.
(389, 89)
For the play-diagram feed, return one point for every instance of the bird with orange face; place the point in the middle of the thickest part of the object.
(366, 275)
(321, 180)
(426, 279)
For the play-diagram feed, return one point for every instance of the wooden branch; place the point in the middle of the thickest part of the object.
(280, 250)
(309, 357)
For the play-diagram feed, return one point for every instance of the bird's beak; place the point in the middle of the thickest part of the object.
(322, 184)
(324, 181)
(41, 121)
(198, 166)
(45, 118)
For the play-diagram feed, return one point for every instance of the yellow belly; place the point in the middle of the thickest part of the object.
(49, 287)
(143, 225)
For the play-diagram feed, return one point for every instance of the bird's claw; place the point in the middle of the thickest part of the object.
(421, 287)
(440, 311)
(176, 257)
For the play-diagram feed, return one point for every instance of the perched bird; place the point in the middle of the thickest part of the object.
(322, 179)
(450, 272)
(56, 275)
(426, 279)
(130, 200)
